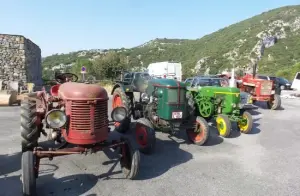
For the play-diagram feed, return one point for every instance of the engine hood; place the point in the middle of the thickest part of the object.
(167, 83)
(81, 91)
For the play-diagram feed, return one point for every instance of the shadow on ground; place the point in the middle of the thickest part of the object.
(167, 154)
(10, 163)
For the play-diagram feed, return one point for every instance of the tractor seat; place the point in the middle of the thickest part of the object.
(54, 90)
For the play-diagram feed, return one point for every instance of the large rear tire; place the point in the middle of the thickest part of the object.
(28, 174)
(191, 104)
(200, 134)
(120, 99)
(275, 104)
(29, 130)
(145, 136)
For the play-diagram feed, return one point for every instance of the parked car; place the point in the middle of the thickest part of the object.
(283, 83)
(188, 81)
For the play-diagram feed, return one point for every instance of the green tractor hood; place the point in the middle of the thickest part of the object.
(229, 96)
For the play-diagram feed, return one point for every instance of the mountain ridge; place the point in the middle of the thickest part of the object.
(237, 45)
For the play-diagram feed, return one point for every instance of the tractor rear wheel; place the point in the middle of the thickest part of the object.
(200, 133)
(120, 99)
(28, 173)
(275, 103)
(29, 130)
(191, 104)
(247, 126)
(130, 160)
(145, 136)
(223, 125)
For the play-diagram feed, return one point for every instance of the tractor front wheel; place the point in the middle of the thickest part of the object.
(28, 173)
(200, 133)
(275, 103)
(145, 136)
(130, 160)
(120, 99)
(223, 125)
(245, 125)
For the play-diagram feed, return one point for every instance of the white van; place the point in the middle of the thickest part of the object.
(165, 69)
(296, 81)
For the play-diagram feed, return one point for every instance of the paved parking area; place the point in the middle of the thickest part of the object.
(265, 162)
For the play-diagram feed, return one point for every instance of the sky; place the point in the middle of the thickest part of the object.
(62, 26)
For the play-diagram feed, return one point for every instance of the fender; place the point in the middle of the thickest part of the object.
(126, 88)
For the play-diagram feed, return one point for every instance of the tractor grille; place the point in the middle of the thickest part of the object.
(266, 88)
(88, 117)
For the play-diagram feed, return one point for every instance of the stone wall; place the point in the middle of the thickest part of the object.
(20, 59)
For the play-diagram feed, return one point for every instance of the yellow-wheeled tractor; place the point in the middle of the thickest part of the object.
(12, 92)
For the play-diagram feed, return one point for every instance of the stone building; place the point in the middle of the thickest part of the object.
(20, 60)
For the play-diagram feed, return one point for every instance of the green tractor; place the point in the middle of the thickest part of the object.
(161, 105)
(222, 103)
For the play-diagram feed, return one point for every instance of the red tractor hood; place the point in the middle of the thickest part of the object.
(81, 91)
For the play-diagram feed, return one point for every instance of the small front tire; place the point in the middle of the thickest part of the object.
(28, 174)
(130, 160)
(246, 127)
(223, 125)
(145, 136)
(200, 134)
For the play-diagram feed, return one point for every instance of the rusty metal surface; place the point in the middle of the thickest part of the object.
(80, 91)
(74, 150)
(88, 122)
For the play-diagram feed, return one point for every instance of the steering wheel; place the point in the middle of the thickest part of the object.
(66, 77)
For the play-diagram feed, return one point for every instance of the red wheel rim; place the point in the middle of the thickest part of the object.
(141, 136)
(117, 101)
(194, 135)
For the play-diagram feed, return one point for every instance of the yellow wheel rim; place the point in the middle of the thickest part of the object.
(221, 126)
(244, 127)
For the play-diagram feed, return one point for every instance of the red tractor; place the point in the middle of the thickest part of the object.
(76, 115)
(260, 90)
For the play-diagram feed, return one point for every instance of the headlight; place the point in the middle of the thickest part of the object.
(145, 97)
(56, 118)
(119, 114)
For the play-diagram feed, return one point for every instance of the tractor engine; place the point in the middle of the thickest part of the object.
(260, 89)
(78, 112)
(166, 104)
(218, 100)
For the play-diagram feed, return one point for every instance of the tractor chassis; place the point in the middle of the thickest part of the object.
(174, 127)
(39, 153)
(235, 116)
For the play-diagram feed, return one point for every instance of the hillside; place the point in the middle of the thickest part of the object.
(237, 45)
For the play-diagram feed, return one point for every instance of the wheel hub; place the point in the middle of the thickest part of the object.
(206, 109)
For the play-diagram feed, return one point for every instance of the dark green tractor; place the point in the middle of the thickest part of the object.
(161, 105)
(222, 103)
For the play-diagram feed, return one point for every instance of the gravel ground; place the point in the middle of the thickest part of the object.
(262, 163)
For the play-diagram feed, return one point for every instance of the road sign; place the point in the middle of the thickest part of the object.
(83, 70)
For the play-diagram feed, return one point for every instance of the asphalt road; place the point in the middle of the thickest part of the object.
(265, 162)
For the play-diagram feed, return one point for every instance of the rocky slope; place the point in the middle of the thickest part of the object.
(272, 39)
